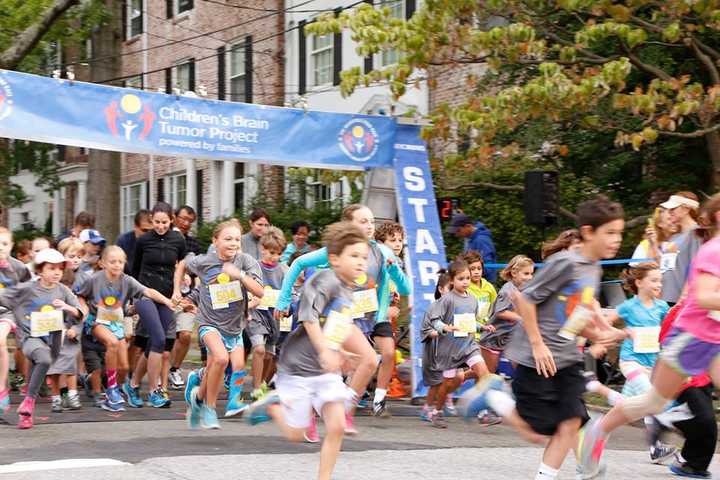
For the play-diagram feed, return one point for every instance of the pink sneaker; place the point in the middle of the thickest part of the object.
(25, 413)
(349, 425)
(311, 433)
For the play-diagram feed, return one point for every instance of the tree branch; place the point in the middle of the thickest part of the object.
(707, 49)
(651, 69)
(26, 41)
(695, 134)
(646, 24)
(492, 186)
(707, 62)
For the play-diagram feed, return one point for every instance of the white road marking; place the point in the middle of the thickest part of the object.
(60, 464)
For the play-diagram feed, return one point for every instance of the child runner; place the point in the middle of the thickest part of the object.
(104, 296)
(263, 328)
(555, 306)
(503, 317)
(309, 367)
(691, 348)
(39, 309)
(372, 296)
(222, 308)
(12, 272)
(480, 288)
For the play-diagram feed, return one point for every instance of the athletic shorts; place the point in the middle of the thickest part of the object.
(116, 328)
(93, 354)
(142, 343)
(264, 340)
(383, 329)
(688, 355)
(544, 403)
(231, 342)
(185, 322)
(9, 321)
(299, 395)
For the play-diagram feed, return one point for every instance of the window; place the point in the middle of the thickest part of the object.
(132, 199)
(318, 192)
(134, 18)
(239, 186)
(134, 82)
(176, 194)
(237, 72)
(183, 6)
(321, 56)
(183, 77)
(397, 10)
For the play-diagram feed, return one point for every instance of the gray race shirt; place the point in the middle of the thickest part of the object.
(366, 323)
(250, 244)
(673, 280)
(99, 292)
(15, 273)
(207, 268)
(272, 279)
(322, 293)
(451, 351)
(503, 329)
(28, 297)
(81, 276)
(566, 285)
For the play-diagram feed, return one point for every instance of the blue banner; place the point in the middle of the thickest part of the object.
(419, 216)
(127, 120)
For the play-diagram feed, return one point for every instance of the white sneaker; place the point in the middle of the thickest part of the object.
(176, 379)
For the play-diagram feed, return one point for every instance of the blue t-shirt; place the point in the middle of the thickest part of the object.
(635, 315)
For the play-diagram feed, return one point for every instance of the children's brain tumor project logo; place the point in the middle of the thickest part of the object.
(6, 98)
(130, 117)
(358, 139)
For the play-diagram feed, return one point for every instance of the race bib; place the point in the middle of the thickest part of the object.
(364, 301)
(269, 299)
(106, 316)
(285, 324)
(337, 328)
(42, 323)
(647, 339)
(223, 294)
(576, 323)
(465, 322)
(483, 310)
(668, 261)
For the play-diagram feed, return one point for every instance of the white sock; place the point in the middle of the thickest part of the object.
(546, 473)
(379, 395)
(72, 393)
(614, 398)
(593, 386)
(55, 397)
(501, 402)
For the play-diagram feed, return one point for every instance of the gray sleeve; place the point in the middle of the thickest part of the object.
(503, 302)
(252, 268)
(313, 303)
(135, 288)
(688, 253)
(191, 263)
(549, 279)
(85, 289)
(11, 297)
(437, 313)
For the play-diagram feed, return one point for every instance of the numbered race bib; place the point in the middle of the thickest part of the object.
(285, 324)
(269, 299)
(337, 328)
(223, 294)
(647, 340)
(483, 310)
(106, 316)
(42, 323)
(364, 302)
(465, 322)
(668, 261)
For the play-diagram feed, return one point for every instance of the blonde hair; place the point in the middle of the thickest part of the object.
(338, 236)
(71, 244)
(516, 263)
(274, 239)
(349, 211)
(112, 249)
(231, 223)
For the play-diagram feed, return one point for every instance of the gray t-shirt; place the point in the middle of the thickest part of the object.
(564, 289)
(323, 293)
(26, 298)
(228, 318)
(686, 246)
(81, 276)
(262, 321)
(99, 292)
(453, 351)
(250, 244)
(16, 272)
(503, 329)
(370, 281)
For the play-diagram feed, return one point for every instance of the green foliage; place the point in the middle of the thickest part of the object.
(27, 156)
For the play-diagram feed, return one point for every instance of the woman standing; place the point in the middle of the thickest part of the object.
(259, 224)
(157, 252)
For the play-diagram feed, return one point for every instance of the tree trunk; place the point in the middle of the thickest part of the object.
(103, 194)
(712, 140)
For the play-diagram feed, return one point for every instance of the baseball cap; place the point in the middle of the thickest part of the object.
(92, 236)
(680, 201)
(458, 221)
(49, 255)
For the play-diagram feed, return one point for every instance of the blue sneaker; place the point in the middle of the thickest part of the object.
(258, 411)
(228, 375)
(192, 414)
(475, 399)
(235, 405)
(194, 379)
(111, 407)
(132, 394)
(156, 399)
(208, 418)
(113, 396)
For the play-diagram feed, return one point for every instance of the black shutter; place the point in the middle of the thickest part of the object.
(337, 53)
(410, 6)
(221, 80)
(191, 85)
(191, 4)
(368, 61)
(168, 81)
(125, 20)
(160, 190)
(147, 195)
(143, 5)
(248, 69)
(302, 54)
(169, 8)
(199, 196)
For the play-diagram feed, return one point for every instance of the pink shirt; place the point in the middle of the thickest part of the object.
(694, 319)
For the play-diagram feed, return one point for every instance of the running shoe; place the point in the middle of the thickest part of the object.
(228, 376)
(165, 394)
(380, 409)
(84, 381)
(450, 410)
(475, 399)
(350, 425)
(488, 419)
(601, 475)
(661, 453)
(113, 396)
(194, 379)
(25, 413)
(258, 411)
(590, 450)
(4, 401)
(208, 418)
(72, 402)
(132, 394)
(311, 433)
(438, 420)
(176, 379)
(56, 405)
(234, 406)
(156, 399)
(99, 398)
(685, 470)
(426, 413)
(192, 414)
(111, 407)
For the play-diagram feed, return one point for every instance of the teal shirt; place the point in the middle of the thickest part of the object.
(290, 250)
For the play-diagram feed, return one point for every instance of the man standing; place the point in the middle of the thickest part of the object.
(83, 221)
(185, 216)
(126, 241)
(477, 237)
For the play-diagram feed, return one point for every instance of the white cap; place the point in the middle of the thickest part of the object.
(680, 201)
(92, 236)
(49, 255)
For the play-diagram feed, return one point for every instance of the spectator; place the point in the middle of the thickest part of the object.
(23, 251)
(94, 244)
(300, 232)
(259, 225)
(655, 242)
(83, 221)
(185, 216)
(126, 241)
(476, 237)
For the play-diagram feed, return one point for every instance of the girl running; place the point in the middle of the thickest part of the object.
(480, 288)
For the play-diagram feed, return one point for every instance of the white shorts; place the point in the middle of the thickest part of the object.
(299, 395)
(129, 326)
(185, 321)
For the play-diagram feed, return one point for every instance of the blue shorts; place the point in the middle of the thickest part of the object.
(117, 329)
(230, 342)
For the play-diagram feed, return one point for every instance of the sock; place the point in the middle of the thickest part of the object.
(379, 395)
(72, 393)
(236, 383)
(546, 473)
(614, 398)
(111, 377)
(63, 391)
(55, 398)
(173, 369)
(593, 386)
(501, 402)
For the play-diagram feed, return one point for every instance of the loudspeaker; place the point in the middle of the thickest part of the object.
(541, 198)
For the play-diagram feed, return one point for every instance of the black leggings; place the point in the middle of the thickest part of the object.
(156, 318)
(700, 431)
